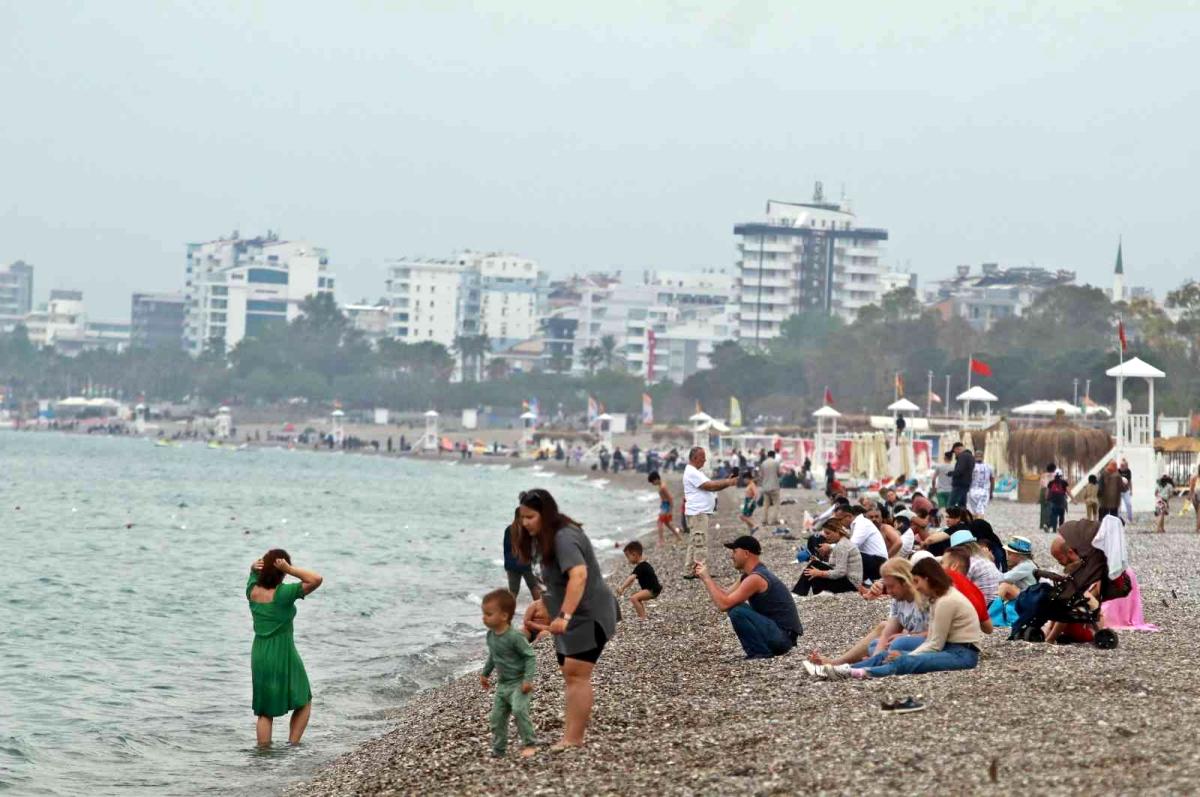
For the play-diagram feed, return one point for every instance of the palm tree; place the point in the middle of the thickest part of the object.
(591, 357)
(608, 349)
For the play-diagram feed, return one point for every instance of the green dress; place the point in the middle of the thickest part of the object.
(280, 683)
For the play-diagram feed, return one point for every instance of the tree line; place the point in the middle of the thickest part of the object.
(1068, 333)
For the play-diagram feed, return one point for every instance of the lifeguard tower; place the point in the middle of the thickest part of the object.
(337, 427)
(825, 445)
(223, 429)
(528, 427)
(429, 440)
(1135, 431)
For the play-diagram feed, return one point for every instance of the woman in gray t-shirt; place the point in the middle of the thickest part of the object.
(584, 611)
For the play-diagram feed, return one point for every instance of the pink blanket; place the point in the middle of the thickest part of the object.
(1125, 614)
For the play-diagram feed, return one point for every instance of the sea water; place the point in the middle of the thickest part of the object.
(124, 633)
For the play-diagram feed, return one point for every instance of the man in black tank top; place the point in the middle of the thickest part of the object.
(760, 607)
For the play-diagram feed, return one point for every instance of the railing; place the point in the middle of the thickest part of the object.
(1135, 430)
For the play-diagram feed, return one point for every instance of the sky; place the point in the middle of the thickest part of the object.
(616, 135)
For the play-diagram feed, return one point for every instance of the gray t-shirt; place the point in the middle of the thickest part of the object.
(770, 474)
(598, 606)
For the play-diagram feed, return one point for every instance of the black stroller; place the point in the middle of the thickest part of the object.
(1066, 599)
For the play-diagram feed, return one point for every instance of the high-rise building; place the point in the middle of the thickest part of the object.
(238, 287)
(805, 256)
(157, 320)
(371, 320)
(16, 294)
(471, 293)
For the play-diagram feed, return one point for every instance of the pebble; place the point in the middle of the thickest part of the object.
(679, 711)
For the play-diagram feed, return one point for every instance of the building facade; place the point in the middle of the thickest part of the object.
(494, 294)
(994, 293)
(239, 287)
(157, 320)
(803, 257)
(16, 294)
(62, 324)
(371, 320)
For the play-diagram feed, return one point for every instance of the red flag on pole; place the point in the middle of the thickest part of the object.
(829, 397)
(980, 367)
(1121, 336)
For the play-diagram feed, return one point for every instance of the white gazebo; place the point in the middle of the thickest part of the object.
(902, 405)
(1134, 432)
(976, 393)
(701, 425)
(224, 426)
(528, 426)
(825, 445)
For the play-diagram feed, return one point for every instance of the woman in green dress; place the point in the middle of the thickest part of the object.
(280, 683)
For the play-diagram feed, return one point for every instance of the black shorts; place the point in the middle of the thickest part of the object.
(590, 656)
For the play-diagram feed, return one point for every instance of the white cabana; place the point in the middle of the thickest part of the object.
(976, 393)
(1047, 408)
(528, 426)
(903, 405)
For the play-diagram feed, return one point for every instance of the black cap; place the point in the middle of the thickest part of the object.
(746, 543)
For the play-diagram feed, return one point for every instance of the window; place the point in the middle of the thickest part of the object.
(218, 304)
(258, 305)
(258, 323)
(268, 276)
(219, 290)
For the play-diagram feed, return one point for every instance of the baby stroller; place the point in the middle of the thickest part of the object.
(1066, 599)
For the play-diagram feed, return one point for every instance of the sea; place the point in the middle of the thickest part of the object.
(124, 631)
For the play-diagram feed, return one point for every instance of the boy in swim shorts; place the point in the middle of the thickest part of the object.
(664, 508)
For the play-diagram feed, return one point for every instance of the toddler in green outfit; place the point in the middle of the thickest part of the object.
(510, 653)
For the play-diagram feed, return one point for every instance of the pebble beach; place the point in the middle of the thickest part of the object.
(678, 709)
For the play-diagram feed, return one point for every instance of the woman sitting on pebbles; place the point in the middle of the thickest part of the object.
(843, 573)
(585, 612)
(907, 621)
(951, 644)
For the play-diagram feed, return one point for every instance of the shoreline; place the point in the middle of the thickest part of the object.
(680, 711)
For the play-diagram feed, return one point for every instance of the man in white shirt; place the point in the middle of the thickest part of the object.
(700, 502)
(869, 541)
(769, 484)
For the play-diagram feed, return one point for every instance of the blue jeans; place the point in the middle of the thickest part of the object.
(761, 638)
(958, 496)
(905, 643)
(952, 657)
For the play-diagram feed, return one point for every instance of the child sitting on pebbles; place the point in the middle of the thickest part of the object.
(510, 653)
(648, 584)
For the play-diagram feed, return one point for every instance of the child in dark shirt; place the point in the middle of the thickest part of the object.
(643, 573)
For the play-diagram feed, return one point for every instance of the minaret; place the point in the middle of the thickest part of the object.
(1118, 285)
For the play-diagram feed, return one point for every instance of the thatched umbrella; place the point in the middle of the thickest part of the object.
(1073, 448)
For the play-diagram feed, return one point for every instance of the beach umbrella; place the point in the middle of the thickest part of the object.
(1073, 448)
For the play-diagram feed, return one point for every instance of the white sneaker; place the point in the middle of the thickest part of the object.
(837, 672)
(810, 668)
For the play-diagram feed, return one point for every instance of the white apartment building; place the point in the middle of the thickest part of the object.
(647, 321)
(805, 256)
(471, 293)
(372, 320)
(993, 294)
(237, 287)
(62, 324)
(16, 293)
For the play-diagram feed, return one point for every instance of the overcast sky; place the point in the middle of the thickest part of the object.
(622, 135)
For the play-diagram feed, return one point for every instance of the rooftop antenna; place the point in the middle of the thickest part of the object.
(818, 192)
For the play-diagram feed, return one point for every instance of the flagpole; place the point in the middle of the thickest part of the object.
(946, 399)
(929, 397)
(967, 403)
